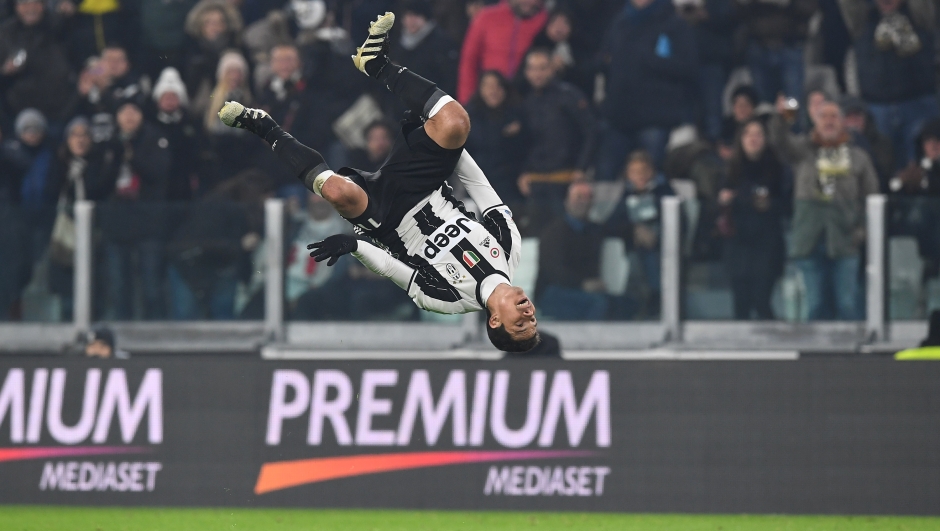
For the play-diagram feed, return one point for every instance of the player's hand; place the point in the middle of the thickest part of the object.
(333, 247)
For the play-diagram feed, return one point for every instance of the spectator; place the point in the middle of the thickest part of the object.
(569, 60)
(639, 212)
(497, 39)
(94, 100)
(561, 139)
(125, 83)
(34, 72)
(100, 343)
(776, 37)
(181, 130)
(752, 223)
(651, 67)
(832, 178)
(27, 159)
(569, 287)
(424, 47)
(82, 170)
(213, 27)
(162, 26)
(894, 50)
(915, 195)
(314, 291)
(232, 149)
(285, 97)
(713, 27)
(380, 137)
(744, 101)
(865, 135)
(209, 251)
(133, 222)
(496, 138)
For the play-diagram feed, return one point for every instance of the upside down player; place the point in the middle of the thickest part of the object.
(445, 259)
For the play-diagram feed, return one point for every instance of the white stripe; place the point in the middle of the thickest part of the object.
(440, 105)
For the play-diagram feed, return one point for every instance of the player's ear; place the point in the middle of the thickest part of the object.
(493, 321)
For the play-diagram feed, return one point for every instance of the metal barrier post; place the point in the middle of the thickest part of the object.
(875, 274)
(671, 259)
(82, 270)
(274, 275)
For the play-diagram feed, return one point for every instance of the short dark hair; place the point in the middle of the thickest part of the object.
(503, 341)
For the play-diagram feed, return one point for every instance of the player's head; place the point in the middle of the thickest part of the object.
(510, 320)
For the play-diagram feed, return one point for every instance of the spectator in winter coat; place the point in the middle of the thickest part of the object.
(496, 138)
(232, 149)
(775, 34)
(134, 220)
(744, 102)
(651, 68)
(832, 178)
(162, 26)
(639, 212)
(569, 287)
(82, 170)
(915, 196)
(424, 47)
(213, 26)
(561, 139)
(713, 24)
(34, 71)
(125, 82)
(865, 134)
(753, 200)
(380, 137)
(894, 50)
(93, 99)
(181, 130)
(570, 59)
(498, 39)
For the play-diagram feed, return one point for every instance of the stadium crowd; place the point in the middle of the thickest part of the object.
(772, 119)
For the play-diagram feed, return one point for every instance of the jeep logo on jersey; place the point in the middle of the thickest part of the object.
(445, 238)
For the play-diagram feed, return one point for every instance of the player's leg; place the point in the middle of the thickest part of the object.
(447, 123)
(307, 164)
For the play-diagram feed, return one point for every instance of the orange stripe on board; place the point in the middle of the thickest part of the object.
(287, 474)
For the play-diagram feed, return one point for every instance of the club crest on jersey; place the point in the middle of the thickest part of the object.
(452, 271)
(485, 242)
(494, 252)
(470, 258)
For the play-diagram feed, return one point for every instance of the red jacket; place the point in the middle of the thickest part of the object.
(496, 40)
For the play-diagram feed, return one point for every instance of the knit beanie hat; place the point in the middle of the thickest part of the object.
(171, 81)
(30, 119)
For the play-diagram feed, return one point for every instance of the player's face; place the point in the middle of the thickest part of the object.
(517, 313)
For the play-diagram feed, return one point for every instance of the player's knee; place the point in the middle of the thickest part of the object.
(455, 124)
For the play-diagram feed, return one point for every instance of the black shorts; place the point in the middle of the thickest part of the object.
(416, 167)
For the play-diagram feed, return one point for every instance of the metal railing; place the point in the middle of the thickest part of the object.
(671, 331)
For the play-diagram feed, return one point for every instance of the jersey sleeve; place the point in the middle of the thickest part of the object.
(476, 183)
(427, 294)
(382, 263)
(497, 220)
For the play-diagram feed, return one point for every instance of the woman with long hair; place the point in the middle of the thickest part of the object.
(753, 204)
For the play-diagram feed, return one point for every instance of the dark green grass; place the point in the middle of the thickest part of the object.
(23, 518)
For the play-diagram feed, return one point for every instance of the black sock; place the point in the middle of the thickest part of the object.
(376, 66)
(419, 94)
(305, 163)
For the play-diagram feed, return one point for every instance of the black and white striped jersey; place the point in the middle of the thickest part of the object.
(446, 259)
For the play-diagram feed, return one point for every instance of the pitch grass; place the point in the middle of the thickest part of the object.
(23, 518)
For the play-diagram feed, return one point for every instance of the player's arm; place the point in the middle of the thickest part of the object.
(377, 260)
(476, 183)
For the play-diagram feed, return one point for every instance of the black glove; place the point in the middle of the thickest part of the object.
(333, 247)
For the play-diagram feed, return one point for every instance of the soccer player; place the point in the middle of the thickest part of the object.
(425, 240)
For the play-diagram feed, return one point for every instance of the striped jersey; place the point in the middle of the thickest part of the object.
(455, 259)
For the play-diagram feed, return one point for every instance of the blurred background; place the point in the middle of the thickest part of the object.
(733, 173)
